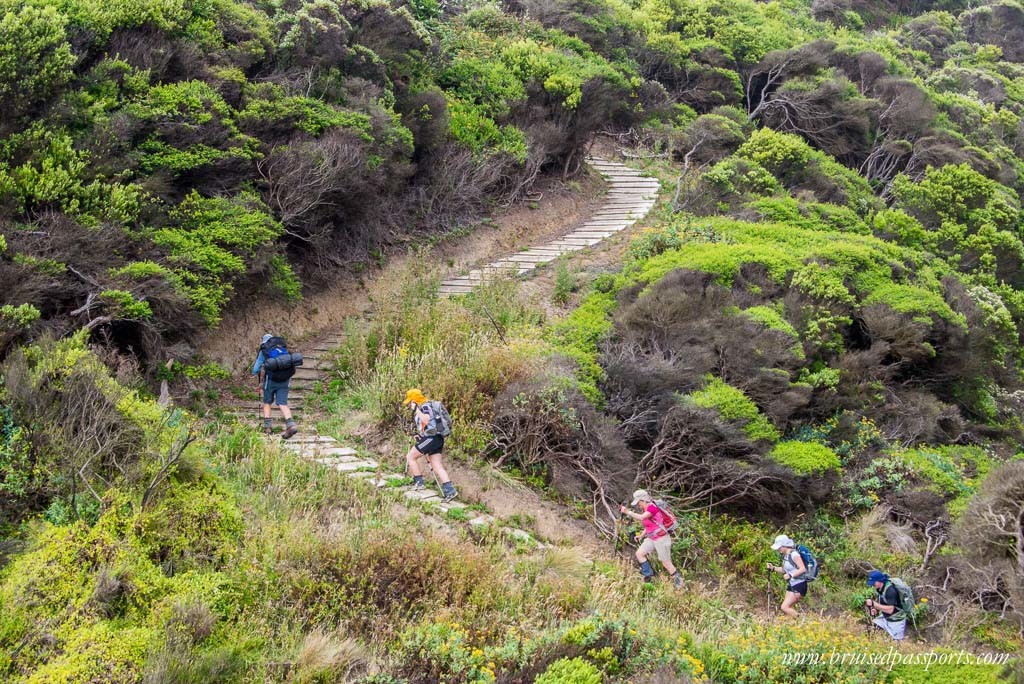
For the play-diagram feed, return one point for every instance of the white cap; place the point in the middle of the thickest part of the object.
(783, 540)
(640, 495)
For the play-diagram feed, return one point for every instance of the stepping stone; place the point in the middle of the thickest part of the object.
(341, 451)
(545, 251)
(455, 289)
(423, 495)
(310, 439)
(611, 222)
(519, 535)
(585, 234)
(604, 228)
(331, 462)
(352, 466)
(371, 478)
(527, 258)
(451, 505)
(482, 520)
(583, 242)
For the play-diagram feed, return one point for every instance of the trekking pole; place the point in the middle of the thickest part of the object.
(768, 592)
(868, 622)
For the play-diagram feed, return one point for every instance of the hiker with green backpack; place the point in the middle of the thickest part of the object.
(659, 523)
(430, 425)
(799, 566)
(893, 603)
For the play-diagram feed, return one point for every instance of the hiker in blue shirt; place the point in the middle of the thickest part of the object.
(274, 387)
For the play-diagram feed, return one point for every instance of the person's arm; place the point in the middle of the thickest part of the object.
(258, 365)
(882, 607)
(422, 421)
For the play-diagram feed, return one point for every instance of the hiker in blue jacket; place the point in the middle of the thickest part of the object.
(274, 387)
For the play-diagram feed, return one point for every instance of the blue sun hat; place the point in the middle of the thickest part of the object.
(877, 576)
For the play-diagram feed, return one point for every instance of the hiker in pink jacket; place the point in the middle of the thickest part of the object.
(657, 537)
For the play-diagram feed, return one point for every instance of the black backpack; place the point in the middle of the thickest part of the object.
(279, 363)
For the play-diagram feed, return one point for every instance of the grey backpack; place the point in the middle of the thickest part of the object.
(440, 422)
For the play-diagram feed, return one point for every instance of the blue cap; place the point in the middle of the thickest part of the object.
(877, 576)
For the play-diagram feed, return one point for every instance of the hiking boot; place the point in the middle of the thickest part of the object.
(290, 432)
(648, 580)
(448, 492)
(268, 431)
(418, 485)
(677, 580)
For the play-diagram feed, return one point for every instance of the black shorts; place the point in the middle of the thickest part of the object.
(430, 445)
(798, 588)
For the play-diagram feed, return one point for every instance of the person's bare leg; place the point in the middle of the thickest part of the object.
(285, 411)
(792, 598)
(412, 458)
(669, 566)
(435, 463)
(266, 411)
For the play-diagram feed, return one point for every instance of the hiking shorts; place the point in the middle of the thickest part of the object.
(275, 392)
(897, 630)
(428, 446)
(662, 545)
(798, 588)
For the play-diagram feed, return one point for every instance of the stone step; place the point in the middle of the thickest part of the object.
(312, 439)
(331, 462)
(587, 235)
(631, 196)
(525, 257)
(611, 222)
(355, 465)
(422, 495)
(638, 206)
(585, 242)
(455, 288)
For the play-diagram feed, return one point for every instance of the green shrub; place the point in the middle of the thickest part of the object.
(578, 336)
(771, 318)
(805, 458)
(570, 671)
(565, 285)
(757, 656)
(477, 131)
(733, 405)
(212, 243)
(35, 58)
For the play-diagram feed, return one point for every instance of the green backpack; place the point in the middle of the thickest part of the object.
(907, 602)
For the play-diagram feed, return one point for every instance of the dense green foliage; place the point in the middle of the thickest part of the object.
(186, 153)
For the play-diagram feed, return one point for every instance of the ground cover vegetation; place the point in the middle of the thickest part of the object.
(821, 331)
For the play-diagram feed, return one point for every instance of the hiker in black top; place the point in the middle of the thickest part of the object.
(274, 391)
(887, 606)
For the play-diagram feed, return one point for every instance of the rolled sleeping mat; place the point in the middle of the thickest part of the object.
(283, 362)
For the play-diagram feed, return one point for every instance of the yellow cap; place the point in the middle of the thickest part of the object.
(414, 395)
